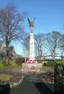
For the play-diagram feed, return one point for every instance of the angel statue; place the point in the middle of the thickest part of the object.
(31, 23)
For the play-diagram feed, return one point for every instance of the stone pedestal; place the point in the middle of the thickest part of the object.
(32, 66)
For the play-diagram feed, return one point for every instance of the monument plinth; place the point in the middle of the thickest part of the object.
(32, 63)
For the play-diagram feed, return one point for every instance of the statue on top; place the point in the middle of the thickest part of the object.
(31, 23)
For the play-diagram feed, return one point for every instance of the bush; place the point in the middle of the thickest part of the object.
(50, 63)
(12, 63)
(60, 62)
(1, 63)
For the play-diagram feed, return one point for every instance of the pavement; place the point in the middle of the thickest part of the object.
(43, 89)
(28, 87)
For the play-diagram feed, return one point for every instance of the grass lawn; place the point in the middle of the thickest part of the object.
(12, 64)
(5, 77)
(47, 69)
(52, 63)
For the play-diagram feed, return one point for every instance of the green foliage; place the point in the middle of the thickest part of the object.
(12, 63)
(19, 63)
(50, 63)
(5, 77)
(60, 62)
(1, 64)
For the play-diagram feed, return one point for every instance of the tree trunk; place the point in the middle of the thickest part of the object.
(54, 53)
(7, 53)
(62, 56)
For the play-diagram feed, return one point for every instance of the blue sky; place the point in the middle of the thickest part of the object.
(49, 14)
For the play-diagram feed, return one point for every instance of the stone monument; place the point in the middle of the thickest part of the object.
(31, 51)
(32, 64)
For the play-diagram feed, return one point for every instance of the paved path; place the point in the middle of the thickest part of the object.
(31, 85)
(43, 89)
(28, 87)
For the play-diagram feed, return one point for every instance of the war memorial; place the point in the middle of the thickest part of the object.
(32, 64)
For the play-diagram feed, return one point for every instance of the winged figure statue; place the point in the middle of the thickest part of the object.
(31, 23)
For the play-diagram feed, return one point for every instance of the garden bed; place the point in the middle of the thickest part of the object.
(13, 80)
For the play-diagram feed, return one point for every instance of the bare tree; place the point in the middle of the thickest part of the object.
(25, 43)
(39, 45)
(10, 26)
(52, 42)
(61, 46)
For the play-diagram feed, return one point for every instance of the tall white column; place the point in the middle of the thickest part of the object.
(31, 51)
